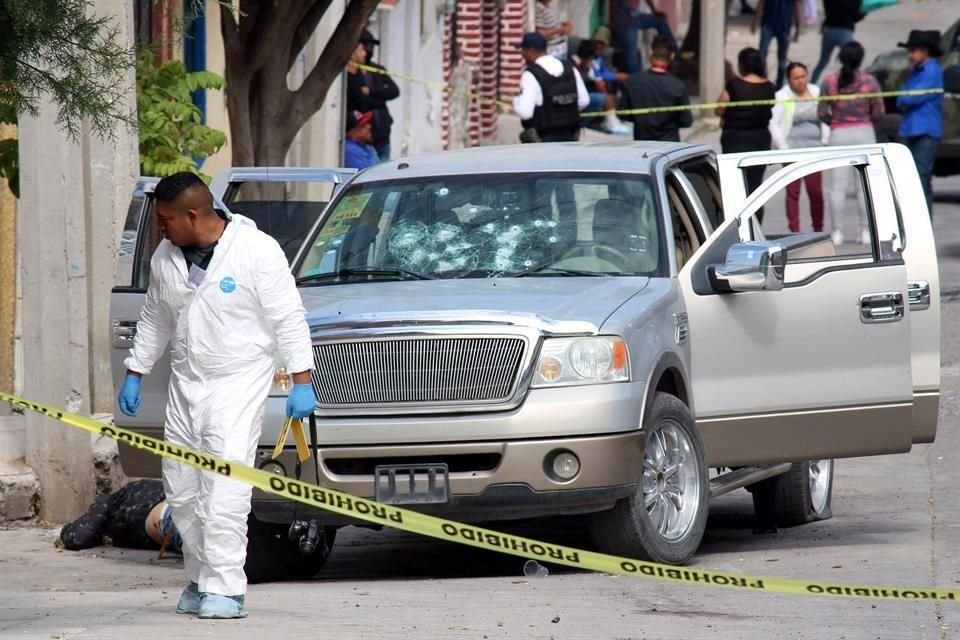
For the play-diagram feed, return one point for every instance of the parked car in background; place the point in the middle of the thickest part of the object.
(891, 70)
(556, 329)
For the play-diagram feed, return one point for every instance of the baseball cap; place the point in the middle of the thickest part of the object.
(358, 118)
(367, 38)
(533, 40)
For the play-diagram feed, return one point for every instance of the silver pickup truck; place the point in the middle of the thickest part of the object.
(554, 329)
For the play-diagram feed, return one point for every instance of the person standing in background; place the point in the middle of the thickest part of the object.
(775, 18)
(547, 23)
(381, 89)
(747, 128)
(840, 19)
(657, 88)
(552, 94)
(796, 125)
(851, 122)
(922, 126)
(627, 19)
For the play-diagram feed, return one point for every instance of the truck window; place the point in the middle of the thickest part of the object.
(703, 177)
(484, 226)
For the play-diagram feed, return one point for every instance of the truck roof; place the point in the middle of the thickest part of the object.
(632, 157)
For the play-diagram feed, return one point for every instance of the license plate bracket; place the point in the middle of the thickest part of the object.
(412, 484)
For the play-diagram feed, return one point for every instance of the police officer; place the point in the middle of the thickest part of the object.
(552, 94)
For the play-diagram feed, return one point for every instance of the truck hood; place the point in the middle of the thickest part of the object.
(558, 299)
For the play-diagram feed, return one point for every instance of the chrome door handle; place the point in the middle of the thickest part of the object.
(881, 307)
(918, 293)
(124, 331)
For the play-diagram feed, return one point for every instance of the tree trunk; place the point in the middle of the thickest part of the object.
(265, 115)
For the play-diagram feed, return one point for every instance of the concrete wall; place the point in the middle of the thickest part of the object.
(74, 196)
(411, 43)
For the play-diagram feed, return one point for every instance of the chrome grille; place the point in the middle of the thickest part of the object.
(417, 370)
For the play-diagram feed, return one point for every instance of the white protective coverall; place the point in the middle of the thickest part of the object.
(224, 335)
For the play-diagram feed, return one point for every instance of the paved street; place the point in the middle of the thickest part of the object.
(896, 523)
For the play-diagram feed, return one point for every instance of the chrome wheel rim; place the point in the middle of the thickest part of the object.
(671, 483)
(820, 477)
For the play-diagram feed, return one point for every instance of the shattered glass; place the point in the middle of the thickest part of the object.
(488, 226)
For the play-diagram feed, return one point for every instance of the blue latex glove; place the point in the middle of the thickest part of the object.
(301, 402)
(129, 399)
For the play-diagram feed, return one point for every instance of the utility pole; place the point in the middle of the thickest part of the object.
(713, 30)
(74, 196)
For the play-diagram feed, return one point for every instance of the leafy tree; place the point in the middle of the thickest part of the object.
(59, 48)
(262, 39)
(173, 136)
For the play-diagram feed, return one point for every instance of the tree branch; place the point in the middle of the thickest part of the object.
(274, 26)
(310, 96)
(305, 29)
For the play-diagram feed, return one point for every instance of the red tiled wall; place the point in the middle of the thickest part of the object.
(487, 38)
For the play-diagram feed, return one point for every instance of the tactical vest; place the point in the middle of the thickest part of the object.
(559, 109)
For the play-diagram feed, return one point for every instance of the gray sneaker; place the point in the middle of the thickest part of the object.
(189, 599)
(216, 606)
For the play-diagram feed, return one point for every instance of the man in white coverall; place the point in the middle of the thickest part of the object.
(222, 294)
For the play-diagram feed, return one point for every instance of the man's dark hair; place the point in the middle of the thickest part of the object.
(170, 188)
(750, 61)
(795, 65)
(660, 48)
(587, 49)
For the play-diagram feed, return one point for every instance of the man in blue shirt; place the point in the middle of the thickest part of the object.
(358, 150)
(922, 126)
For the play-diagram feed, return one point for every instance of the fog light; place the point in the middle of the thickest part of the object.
(272, 466)
(565, 465)
(550, 369)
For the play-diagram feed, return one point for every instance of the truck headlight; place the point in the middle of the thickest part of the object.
(573, 361)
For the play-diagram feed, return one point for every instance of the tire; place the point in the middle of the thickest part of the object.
(661, 532)
(797, 497)
(271, 557)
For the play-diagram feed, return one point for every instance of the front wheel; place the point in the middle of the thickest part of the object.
(665, 519)
(796, 497)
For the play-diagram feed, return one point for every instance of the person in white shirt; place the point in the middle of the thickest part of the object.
(552, 94)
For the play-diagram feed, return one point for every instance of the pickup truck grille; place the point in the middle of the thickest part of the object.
(419, 370)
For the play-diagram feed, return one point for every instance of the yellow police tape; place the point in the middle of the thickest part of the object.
(682, 107)
(414, 522)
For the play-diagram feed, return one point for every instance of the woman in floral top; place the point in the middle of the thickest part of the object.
(850, 122)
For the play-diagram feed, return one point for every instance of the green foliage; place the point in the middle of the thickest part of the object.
(60, 49)
(172, 134)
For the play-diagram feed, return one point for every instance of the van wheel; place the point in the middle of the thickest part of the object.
(798, 496)
(271, 557)
(665, 519)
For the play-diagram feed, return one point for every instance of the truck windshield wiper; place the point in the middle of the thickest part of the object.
(396, 272)
(564, 272)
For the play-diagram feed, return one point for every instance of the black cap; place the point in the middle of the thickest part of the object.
(533, 40)
(367, 38)
(928, 39)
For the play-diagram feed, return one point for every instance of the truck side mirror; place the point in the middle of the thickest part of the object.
(750, 266)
